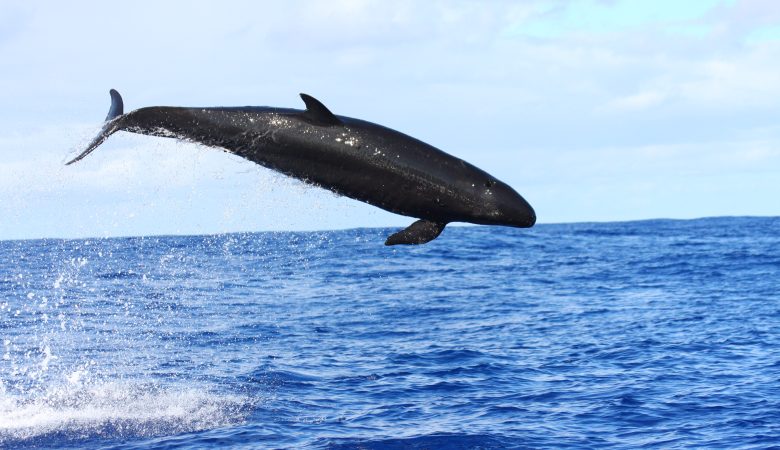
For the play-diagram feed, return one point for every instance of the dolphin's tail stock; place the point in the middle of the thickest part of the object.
(110, 127)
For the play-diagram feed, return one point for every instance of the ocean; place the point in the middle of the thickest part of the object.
(647, 334)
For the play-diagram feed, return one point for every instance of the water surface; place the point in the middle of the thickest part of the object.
(656, 334)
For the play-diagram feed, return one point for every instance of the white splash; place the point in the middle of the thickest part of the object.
(117, 408)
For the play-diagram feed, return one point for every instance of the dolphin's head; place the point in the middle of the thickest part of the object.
(502, 205)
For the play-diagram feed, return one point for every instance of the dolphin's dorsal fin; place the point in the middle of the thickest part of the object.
(419, 232)
(318, 113)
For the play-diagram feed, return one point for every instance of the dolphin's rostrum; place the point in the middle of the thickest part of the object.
(351, 157)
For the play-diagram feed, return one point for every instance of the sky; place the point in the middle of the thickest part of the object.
(594, 110)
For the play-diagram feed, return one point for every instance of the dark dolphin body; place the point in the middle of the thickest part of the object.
(350, 157)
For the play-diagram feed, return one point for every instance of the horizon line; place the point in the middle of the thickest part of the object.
(389, 227)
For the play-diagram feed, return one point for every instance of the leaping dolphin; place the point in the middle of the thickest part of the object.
(351, 157)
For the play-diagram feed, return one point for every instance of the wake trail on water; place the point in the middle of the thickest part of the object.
(117, 408)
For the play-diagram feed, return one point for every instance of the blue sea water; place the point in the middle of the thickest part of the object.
(651, 334)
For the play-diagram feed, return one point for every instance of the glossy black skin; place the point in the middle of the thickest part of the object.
(354, 158)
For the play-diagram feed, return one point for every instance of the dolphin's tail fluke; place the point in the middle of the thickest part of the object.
(117, 105)
(110, 127)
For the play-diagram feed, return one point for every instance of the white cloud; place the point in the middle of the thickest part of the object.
(639, 101)
(748, 80)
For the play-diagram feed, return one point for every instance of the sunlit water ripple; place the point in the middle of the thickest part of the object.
(657, 334)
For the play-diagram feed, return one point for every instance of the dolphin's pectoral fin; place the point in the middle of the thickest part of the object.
(318, 113)
(419, 232)
(110, 127)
